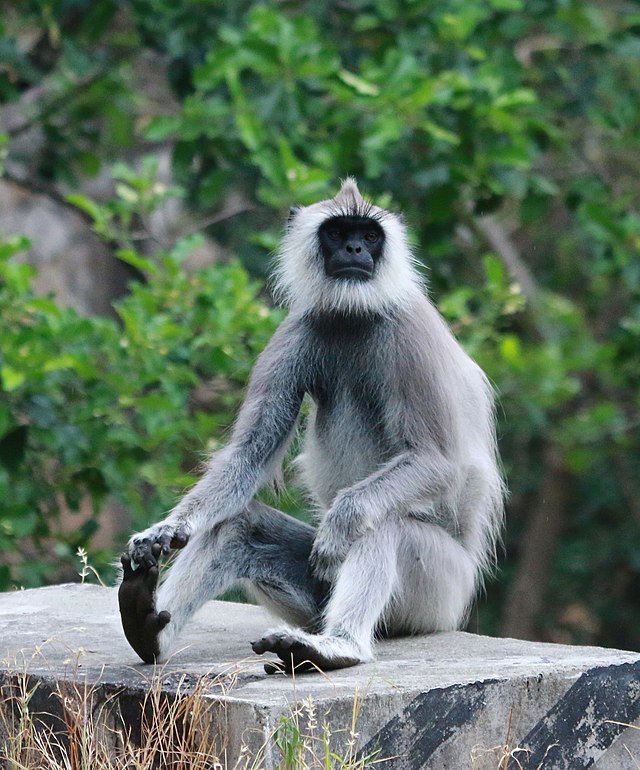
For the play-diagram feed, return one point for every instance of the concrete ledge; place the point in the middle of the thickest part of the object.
(441, 702)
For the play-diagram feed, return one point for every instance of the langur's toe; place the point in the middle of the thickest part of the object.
(277, 643)
(259, 647)
(296, 657)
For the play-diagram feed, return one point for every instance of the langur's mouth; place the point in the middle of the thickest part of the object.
(352, 272)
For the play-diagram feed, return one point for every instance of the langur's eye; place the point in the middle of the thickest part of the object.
(334, 234)
(371, 237)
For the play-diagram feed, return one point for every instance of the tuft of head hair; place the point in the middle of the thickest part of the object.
(299, 280)
(349, 203)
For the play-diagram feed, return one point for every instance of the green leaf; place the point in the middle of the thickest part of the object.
(494, 270)
(11, 378)
(14, 245)
(85, 204)
(359, 85)
(136, 260)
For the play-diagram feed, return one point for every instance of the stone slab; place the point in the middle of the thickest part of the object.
(443, 702)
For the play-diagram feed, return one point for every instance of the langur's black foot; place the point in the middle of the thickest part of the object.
(137, 599)
(303, 656)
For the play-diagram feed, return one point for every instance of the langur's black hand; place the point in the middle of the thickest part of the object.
(143, 549)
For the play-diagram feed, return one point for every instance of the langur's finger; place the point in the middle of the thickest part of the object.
(127, 569)
(179, 539)
(146, 560)
(151, 578)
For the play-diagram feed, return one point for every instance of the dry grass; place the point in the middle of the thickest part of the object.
(505, 752)
(507, 756)
(303, 742)
(84, 730)
(636, 763)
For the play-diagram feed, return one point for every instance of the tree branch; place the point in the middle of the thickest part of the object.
(48, 191)
(526, 595)
(58, 102)
(498, 239)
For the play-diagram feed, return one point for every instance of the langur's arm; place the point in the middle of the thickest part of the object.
(234, 474)
(408, 481)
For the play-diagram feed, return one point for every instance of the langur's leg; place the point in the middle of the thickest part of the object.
(407, 577)
(260, 545)
(365, 586)
(438, 577)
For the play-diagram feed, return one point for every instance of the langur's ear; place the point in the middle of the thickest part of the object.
(293, 210)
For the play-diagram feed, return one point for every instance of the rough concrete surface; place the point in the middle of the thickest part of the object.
(443, 702)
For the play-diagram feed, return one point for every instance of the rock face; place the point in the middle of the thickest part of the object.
(446, 702)
(73, 264)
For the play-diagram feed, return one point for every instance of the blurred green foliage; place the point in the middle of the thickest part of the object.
(97, 408)
(448, 110)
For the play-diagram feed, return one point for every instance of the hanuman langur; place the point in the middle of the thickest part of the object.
(399, 457)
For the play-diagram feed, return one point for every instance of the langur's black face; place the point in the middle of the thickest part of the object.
(351, 246)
